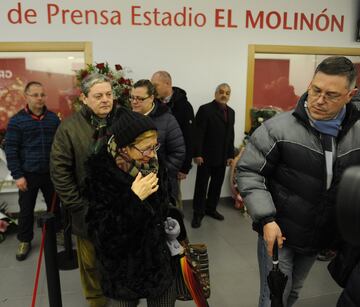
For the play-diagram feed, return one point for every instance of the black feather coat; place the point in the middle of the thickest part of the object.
(128, 234)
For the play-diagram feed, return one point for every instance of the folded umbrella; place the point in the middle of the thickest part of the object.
(276, 280)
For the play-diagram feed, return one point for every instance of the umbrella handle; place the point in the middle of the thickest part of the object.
(275, 257)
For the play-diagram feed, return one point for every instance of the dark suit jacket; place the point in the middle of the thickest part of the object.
(215, 136)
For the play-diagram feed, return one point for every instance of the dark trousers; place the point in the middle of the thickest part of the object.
(27, 201)
(206, 199)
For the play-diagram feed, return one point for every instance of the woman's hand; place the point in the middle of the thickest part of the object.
(145, 186)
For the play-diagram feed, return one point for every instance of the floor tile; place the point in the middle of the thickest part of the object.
(233, 268)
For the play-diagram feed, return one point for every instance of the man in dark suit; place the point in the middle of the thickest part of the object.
(214, 150)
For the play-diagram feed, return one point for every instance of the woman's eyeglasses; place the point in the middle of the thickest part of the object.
(148, 151)
(137, 98)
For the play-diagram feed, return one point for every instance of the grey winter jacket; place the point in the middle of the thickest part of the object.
(282, 176)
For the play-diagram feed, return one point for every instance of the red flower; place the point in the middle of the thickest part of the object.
(128, 81)
(121, 81)
(126, 91)
(118, 67)
(84, 73)
(100, 66)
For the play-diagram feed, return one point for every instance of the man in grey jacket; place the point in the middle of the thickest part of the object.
(290, 171)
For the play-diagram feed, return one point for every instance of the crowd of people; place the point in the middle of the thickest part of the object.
(118, 173)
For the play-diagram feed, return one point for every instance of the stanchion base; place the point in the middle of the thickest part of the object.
(66, 263)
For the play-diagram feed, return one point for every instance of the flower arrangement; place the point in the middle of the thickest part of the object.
(120, 84)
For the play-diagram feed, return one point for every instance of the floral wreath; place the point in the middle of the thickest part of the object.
(120, 84)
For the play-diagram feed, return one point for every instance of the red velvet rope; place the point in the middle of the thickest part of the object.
(43, 235)
(38, 266)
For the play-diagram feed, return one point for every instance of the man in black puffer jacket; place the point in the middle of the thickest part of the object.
(290, 171)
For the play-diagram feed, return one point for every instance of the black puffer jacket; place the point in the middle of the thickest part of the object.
(128, 234)
(172, 149)
(282, 176)
(350, 297)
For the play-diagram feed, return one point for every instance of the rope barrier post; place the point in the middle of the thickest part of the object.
(67, 259)
(50, 251)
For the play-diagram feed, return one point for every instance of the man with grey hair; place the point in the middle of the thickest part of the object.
(175, 98)
(290, 172)
(214, 151)
(77, 137)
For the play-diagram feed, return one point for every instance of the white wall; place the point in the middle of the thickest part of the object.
(198, 58)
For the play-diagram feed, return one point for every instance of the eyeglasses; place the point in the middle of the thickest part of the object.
(37, 95)
(137, 98)
(148, 151)
(329, 97)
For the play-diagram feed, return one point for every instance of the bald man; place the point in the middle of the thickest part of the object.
(175, 98)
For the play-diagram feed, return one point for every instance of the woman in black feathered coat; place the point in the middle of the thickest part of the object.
(127, 209)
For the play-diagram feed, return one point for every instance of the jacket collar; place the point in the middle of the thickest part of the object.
(351, 116)
(87, 113)
(159, 109)
(34, 116)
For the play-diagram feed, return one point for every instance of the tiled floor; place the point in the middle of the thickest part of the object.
(234, 272)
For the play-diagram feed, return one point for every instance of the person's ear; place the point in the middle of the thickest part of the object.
(83, 98)
(353, 92)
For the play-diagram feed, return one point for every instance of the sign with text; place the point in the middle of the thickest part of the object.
(183, 17)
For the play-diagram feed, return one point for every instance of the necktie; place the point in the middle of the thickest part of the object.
(225, 114)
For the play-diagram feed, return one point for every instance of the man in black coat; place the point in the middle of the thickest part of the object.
(214, 151)
(175, 98)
